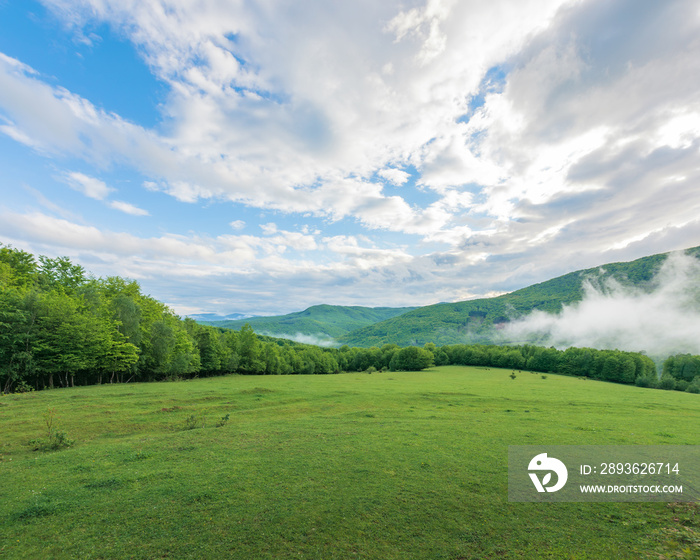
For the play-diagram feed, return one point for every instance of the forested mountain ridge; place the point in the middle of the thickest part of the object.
(475, 320)
(319, 321)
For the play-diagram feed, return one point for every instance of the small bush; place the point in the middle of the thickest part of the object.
(55, 439)
(194, 421)
(223, 420)
(668, 383)
(646, 382)
(694, 386)
(682, 385)
(544, 377)
(22, 387)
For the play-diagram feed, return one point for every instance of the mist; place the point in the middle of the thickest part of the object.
(659, 319)
(315, 340)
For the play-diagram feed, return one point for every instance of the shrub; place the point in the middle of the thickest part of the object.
(644, 381)
(411, 358)
(194, 421)
(22, 387)
(667, 382)
(55, 439)
(682, 385)
(694, 386)
(223, 420)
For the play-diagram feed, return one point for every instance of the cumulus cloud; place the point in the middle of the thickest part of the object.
(313, 103)
(394, 176)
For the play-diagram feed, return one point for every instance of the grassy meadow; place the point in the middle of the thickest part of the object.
(383, 466)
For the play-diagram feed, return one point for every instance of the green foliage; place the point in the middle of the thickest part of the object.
(411, 358)
(59, 327)
(194, 421)
(667, 382)
(682, 367)
(60, 273)
(646, 381)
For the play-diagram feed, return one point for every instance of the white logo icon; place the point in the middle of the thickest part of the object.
(543, 463)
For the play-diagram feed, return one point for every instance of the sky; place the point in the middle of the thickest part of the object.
(261, 157)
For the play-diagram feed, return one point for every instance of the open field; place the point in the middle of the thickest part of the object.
(383, 466)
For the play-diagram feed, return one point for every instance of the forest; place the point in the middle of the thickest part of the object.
(62, 327)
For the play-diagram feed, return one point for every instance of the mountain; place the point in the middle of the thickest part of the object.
(477, 320)
(211, 317)
(318, 323)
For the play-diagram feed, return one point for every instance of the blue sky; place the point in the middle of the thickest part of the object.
(262, 157)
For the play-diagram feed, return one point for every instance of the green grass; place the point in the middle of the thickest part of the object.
(383, 466)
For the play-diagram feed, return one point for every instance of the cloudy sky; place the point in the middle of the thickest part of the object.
(263, 156)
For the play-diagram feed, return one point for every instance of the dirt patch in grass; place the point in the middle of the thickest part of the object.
(256, 391)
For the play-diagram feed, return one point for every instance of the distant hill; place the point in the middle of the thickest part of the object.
(212, 317)
(317, 323)
(475, 320)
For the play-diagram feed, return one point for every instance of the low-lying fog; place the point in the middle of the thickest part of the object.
(660, 321)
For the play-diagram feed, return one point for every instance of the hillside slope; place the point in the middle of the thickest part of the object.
(319, 321)
(475, 320)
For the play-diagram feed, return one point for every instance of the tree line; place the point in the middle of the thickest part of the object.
(60, 327)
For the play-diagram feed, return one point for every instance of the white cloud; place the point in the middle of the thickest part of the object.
(254, 119)
(128, 208)
(218, 253)
(394, 176)
(269, 228)
(89, 186)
